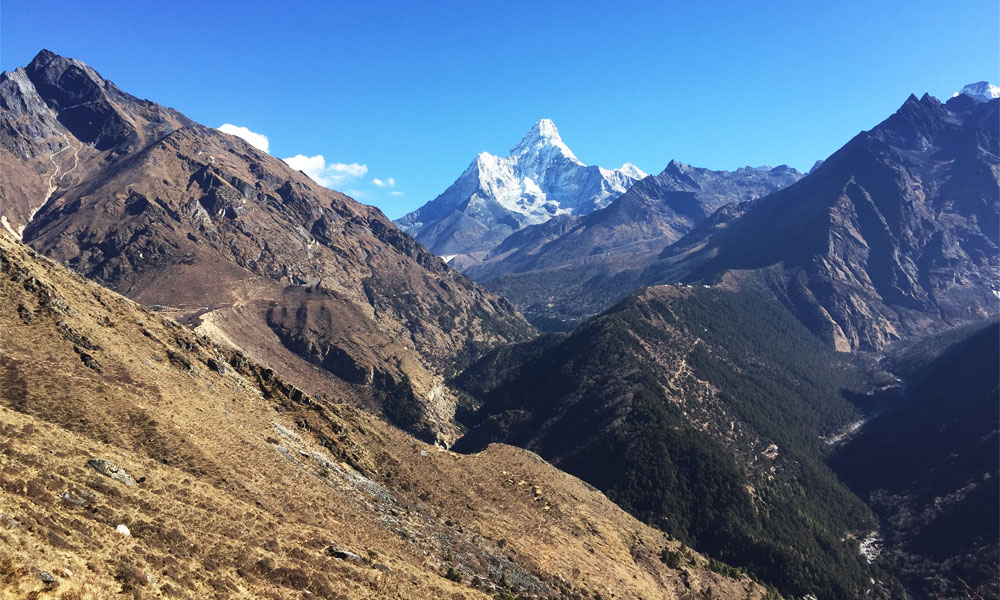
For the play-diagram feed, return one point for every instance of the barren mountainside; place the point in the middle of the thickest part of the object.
(174, 214)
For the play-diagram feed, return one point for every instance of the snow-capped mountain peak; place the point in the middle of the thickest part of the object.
(495, 196)
(543, 140)
(632, 171)
(981, 91)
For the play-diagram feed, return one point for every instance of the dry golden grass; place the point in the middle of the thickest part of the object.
(245, 486)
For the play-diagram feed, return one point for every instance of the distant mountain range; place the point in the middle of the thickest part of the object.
(893, 235)
(496, 196)
(654, 213)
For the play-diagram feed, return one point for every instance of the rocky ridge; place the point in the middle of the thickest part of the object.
(654, 213)
(893, 236)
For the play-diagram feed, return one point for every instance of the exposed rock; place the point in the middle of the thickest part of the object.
(88, 360)
(110, 469)
(179, 360)
(72, 498)
(25, 313)
(342, 554)
(44, 576)
(285, 432)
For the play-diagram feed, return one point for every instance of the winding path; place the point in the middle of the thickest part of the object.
(53, 184)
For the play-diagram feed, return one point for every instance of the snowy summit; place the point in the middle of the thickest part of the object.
(541, 178)
(981, 91)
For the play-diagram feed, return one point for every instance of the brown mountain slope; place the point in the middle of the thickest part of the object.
(238, 485)
(175, 214)
(894, 236)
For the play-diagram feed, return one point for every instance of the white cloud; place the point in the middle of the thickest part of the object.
(327, 175)
(389, 182)
(257, 140)
(395, 193)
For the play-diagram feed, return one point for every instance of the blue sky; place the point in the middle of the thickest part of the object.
(412, 91)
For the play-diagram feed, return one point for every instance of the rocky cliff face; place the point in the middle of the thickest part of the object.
(892, 236)
(496, 196)
(182, 216)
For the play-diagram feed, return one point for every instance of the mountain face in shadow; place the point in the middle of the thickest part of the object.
(929, 468)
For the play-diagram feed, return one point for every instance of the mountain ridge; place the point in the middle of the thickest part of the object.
(200, 222)
(891, 236)
(652, 214)
(539, 179)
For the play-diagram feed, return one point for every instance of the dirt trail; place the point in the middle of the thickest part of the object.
(683, 364)
(53, 185)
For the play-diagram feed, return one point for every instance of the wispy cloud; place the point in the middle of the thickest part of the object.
(395, 193)
(326, 174)
(257, 140)
(388, 182)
